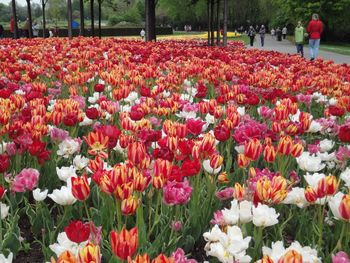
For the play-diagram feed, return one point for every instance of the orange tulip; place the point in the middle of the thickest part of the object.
(239, 192)
(140, 259)
(269, 153)
(297, 149)
(98, 143)
(266, 259)
(216, 161)
(243, 161)
(222, 178)
(291, 257)
(124, 243)
(163, 259)
(65, 257)
(285, 145)
(136, 152)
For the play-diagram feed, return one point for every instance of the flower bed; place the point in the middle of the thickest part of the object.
(120, 150)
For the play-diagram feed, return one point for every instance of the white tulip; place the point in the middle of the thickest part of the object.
(131, 97)
(64, 244)
(245, 211)
(345, 176)
(241, 111)
(65, 172)
(296, 197)
(210, 119)
(309, 162)
(7, 259)
(313, 179)
(38, 195)
(63, 196)
(238, 244)
(326, 145)
(231, 216)
(216, 235)
(219, 251)
(276, 251)
(80, 162)
(264, 216)
(68, 147)
(209, 169)
(4, 211)
(334, 203)
(314, 127)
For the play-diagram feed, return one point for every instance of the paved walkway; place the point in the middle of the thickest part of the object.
(285, 46)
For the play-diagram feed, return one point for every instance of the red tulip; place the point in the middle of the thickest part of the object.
(77, 231)
(4, 162)
(124, 243)
(80, 187)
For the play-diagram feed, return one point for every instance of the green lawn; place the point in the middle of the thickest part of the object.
(339, 48)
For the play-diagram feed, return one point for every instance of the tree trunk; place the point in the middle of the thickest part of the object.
(92, 18)
(30, 29)
(70, 18)
(150, 9)
(43, 5)
(212, 38)
(218, 22)
(99, 18)
(14, 16)
(209, 22)
(82, 26)
(225, 22)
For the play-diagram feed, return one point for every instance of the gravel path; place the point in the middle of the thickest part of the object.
(285, 46)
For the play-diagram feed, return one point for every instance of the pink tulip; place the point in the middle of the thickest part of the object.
(179, 257)
(58, 135)
(314, 148)
(218, 218)
(265, 112)
(27, 179)
(176, 226)
(225, 194)
(340, 257)
(177, 193)
(306, 99)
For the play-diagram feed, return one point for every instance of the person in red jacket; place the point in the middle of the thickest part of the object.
(314, 30)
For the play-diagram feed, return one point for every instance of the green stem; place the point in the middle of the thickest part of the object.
(339, 242)
(321, 224)
(258, 235)
(65, 208)
(119, 214)
(0, 230)
(156, 215)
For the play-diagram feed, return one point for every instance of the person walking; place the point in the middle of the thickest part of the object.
(142, 34)
(278, 34)
(262, 32)
(273, 32)
(35, 29)
(251, 34)
(314, 29)
(284, 32)
(299, 35)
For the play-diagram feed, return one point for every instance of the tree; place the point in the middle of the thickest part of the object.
(30, 29)
(150, 10)
(70, 18)
(43, 5)
(99, 17)
(14, 17)
(218, 22)
(225, 23)
(81, 11)
(92, 18)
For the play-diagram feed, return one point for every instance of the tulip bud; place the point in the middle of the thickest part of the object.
(163, 259)
(129, 205)
(253, 149)
(278, 196)
(242, 161)
(269, 153)
(297, 149)
(136, 152)
(344, 207)
(285, 145)
(263, 189)
(310, 195)
(80, 187)
(332, 184)
(266, 259)
(65, 257)
(239, 192)
(216, 161)
(222, 178)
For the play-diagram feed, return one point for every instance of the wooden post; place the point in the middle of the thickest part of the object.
(82, 25)
(14, 16)
(225, 22)
(70, 18)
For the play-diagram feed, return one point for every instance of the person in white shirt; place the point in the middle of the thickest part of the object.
(284, 32)
(35, 28)
(142, 34)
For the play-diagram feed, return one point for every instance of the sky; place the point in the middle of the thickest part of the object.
(21, 2)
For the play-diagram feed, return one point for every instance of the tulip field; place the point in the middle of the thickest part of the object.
(172, 151)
